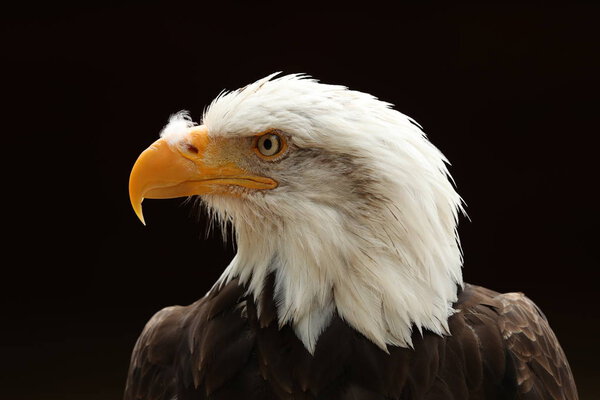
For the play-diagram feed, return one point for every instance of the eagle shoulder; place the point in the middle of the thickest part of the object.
(193, 350)
(152, 373)
(542, 369)
(514, 343)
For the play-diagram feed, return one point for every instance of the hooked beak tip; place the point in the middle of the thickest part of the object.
(137, 208)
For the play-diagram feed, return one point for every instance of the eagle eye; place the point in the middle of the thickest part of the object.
(270, 145)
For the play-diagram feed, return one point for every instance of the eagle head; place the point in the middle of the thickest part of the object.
(341, 197)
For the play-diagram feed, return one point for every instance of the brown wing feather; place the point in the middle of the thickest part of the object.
(542, 369)
(152, 371)
(218, 348)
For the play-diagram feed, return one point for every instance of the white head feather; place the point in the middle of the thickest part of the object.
(363, 222)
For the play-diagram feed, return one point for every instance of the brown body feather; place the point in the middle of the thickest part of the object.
(500, 347)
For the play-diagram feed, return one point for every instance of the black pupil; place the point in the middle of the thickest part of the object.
(268, 144)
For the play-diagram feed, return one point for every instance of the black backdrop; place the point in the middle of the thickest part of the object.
(508, 92)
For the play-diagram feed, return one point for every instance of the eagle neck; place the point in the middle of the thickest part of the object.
(322, 269)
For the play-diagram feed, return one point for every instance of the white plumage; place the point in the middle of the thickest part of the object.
(363, 220)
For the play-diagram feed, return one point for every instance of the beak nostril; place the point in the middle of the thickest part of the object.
(191, 148)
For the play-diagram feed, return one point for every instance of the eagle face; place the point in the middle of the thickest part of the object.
(276, 149)
(340, 195)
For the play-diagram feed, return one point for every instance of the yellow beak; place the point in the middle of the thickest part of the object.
(163, 172)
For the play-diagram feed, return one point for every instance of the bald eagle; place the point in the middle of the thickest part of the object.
(347, 281)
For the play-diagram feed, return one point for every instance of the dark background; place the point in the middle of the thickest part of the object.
(508, 92)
